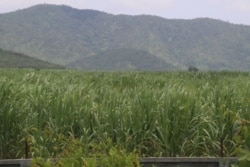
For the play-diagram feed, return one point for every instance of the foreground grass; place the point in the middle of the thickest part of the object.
(156, 114)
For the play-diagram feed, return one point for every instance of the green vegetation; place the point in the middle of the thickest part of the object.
(10, 59)
(84, 115)
(71, 37)
(75, 153)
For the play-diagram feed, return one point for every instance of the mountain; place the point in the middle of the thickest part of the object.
(9, 59)
(84, 38)
(123, 59)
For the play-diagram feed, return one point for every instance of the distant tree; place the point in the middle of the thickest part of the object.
(193, 69)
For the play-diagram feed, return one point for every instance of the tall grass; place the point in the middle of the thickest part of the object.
(158, 114)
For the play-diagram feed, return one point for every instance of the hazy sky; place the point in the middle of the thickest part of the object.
(234, 11)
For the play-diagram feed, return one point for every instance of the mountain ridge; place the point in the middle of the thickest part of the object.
(9, 59)
(64, 35)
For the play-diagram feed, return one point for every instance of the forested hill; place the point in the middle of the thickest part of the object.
(72, 37)
(9, 59)
(123, 60)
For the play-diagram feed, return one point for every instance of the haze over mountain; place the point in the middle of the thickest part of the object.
(89, 39)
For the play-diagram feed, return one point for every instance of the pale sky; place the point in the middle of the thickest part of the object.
(233, 11)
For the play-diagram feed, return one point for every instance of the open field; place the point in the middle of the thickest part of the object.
(156, 114)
